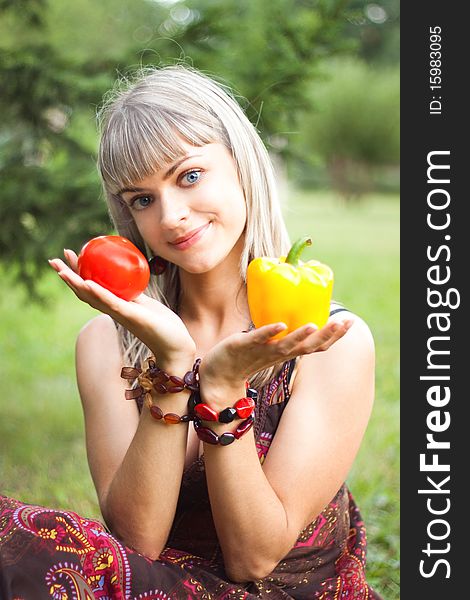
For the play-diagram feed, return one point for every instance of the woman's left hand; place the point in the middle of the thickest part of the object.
(238, 357)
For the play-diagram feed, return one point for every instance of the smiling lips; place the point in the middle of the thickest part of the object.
(188, 240)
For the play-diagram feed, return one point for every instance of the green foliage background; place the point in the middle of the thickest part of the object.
(320, 81)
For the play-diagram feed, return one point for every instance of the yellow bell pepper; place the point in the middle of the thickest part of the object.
(289, 290)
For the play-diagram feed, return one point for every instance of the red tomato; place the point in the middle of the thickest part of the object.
(116, 264)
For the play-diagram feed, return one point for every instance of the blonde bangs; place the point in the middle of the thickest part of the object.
(139, 140)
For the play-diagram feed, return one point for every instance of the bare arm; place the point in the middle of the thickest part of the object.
(136, 462)
(312, 452)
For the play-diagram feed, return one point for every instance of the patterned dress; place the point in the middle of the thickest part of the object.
(59, 555)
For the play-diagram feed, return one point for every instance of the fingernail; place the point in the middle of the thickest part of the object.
(311, 328)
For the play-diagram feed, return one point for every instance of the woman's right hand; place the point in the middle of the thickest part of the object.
(157, 326)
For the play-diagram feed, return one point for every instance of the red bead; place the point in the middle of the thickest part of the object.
(244, 407)
(205, 412)
(156, 412)
(244, 427)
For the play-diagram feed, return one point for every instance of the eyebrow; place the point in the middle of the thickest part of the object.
(168, 174)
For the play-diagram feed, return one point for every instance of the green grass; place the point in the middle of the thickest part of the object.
(42, 454)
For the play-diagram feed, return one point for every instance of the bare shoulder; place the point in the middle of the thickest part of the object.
(98, 353)
(351, 356)
(327, 414)
(110, 419)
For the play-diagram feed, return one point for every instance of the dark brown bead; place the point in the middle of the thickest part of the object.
(177, 380)
(207, 435)
(156, 412)
(152, 372)
(171, 418)
(160, 388)
(175, 389)
(185, 418)
(134, 393)
(226, 438)
(194, 399)
(130, 372)
(161, 377)
(189, 378)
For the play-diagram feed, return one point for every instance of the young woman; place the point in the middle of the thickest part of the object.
(188, 180)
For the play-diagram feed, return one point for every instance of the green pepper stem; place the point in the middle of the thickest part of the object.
(297, 249)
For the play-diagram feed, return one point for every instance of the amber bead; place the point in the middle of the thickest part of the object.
(244, 407)
(171, 418)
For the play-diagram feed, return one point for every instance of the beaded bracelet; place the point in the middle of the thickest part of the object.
(224, 439)
(158, 380)
(170, 418)
(242, 408)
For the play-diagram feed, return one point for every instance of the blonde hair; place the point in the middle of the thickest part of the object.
(143, 122)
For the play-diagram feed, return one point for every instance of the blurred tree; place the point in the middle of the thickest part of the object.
(47, 137)
(57, 59)
(268, 50)
(355, 127)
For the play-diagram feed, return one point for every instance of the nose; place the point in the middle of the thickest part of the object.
(173, 210)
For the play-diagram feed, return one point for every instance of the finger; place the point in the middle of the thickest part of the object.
(330, 334)
(58, 265)
(54, 264)
(266, 332)
(65, 279)
(72, 259)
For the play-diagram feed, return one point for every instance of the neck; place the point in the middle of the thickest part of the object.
(216, 300)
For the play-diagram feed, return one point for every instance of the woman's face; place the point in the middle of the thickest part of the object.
(192, 212)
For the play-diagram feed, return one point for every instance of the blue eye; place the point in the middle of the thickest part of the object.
(141, 202)
(192, 177)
